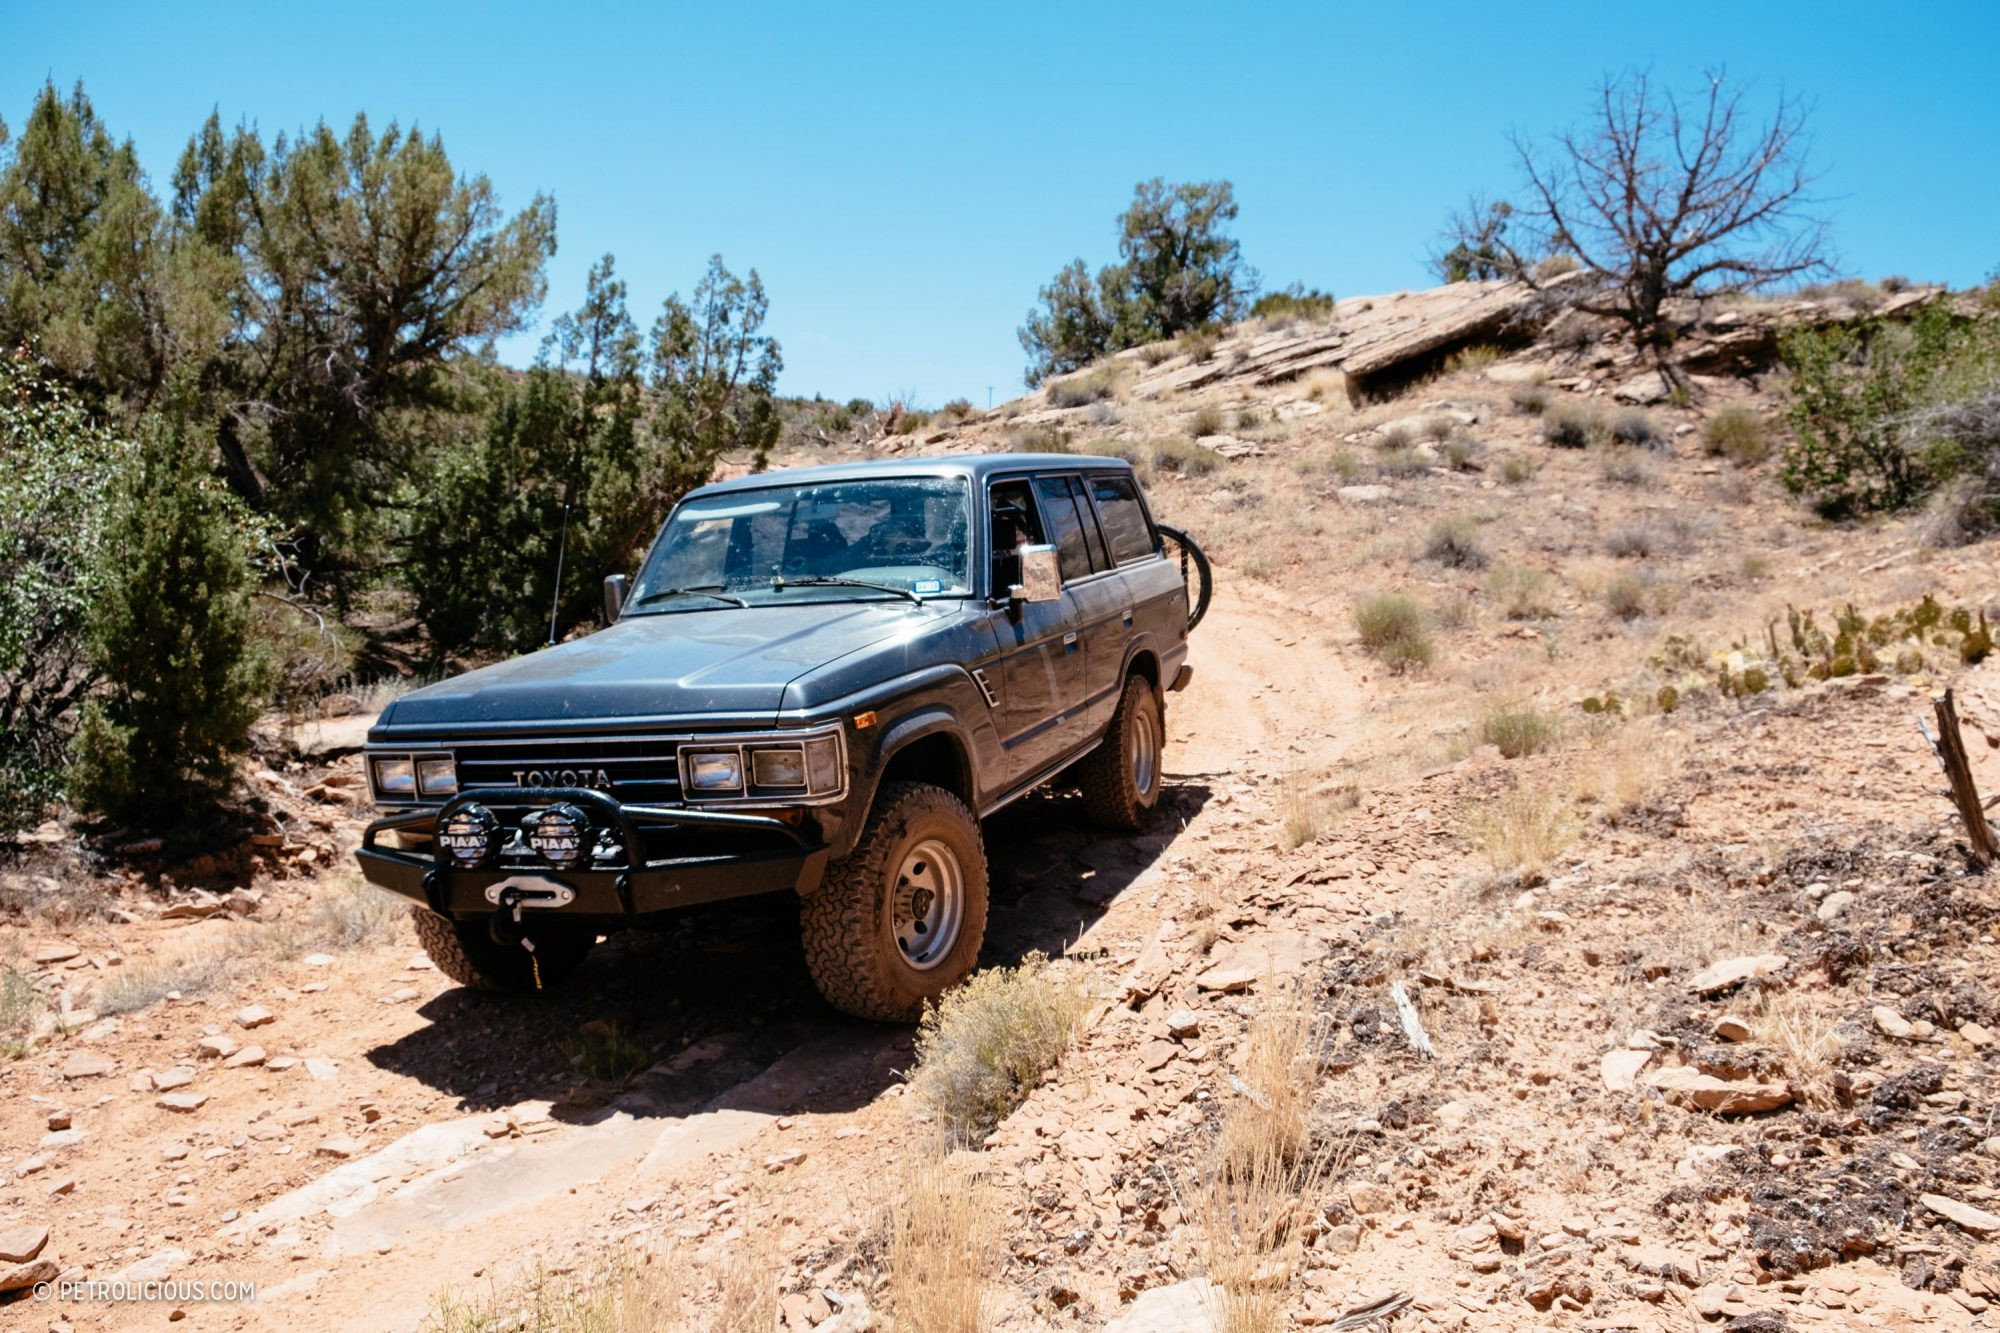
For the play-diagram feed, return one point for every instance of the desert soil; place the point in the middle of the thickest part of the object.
(1611, 1131)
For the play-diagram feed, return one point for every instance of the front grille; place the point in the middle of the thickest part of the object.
(637, 770)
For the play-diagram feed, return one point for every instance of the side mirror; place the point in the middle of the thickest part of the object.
(614, 597)
(1041, 576)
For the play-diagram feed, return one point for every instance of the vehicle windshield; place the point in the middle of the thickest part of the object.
(907, 534)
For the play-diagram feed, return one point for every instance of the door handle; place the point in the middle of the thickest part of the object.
(1069, 641)
(1127, 617)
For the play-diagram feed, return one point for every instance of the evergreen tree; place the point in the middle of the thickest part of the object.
(172, 641)
(1178, 270)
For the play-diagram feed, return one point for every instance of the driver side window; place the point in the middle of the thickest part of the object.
(1014, 522)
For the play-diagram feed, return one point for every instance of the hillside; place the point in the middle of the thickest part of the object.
(1595, 767)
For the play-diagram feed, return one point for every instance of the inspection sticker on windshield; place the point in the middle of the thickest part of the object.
(927, 585)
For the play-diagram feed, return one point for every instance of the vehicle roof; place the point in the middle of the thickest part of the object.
(978, 467)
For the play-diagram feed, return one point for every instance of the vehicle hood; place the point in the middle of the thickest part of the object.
(733, 663)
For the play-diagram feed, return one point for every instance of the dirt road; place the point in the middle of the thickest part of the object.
(399, 1137)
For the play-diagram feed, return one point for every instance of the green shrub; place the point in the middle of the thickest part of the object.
(985, 1045)
(58, 471)
(1569, 426)
(1454, 542)
(1637, 428)
(1294, 302)
(1859, 394)
(1177, 453)
(958, 409)
(1392, 627)
(173, 638)
(1519, 729)
(1736, 432)
(1522, 594)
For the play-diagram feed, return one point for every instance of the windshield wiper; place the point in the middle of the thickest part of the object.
(837, 581)
(714, 590)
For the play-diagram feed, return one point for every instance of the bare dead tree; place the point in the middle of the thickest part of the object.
(1664, 197)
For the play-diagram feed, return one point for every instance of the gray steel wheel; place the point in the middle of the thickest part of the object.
(929, 904)
(1145, 743)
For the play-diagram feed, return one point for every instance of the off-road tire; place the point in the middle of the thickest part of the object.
(1112, 795)
(465, 952)
(850, 940)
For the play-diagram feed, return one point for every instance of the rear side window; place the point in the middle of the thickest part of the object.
(1122, 517)
(1065, 526)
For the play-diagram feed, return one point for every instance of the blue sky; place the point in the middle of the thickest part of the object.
(906, 177)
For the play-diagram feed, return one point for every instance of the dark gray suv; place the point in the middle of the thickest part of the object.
(820, 681)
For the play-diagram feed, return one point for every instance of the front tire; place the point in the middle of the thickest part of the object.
(901, 919)
(1121, 777)
(468, 954)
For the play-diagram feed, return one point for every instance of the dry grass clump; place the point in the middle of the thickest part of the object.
(1392, 627)
(1039, 440)
(1477, 356)
(1625, 596)
(1084, 387)
(1454, 543)
(1307, 809)
(632, 1293)
(1625, 466)
(943, 1243)
(1531, 399)
(1737, 433)
(1524, 830)
(984, 1046)
(1520, 593)
(1517, 468)
(1324, 385)
(1206, 421)
(1808, 1041)
(138, 986)
(1569, 426)
(1177, 453)
(1635, 540)
(18, 1007)
(1199, 344)
(349, 914)
(1401, 462)
(1253, 1206)
(1519, 730)
(1636, 427)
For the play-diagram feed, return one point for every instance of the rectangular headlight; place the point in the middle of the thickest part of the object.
(778, 768)
(716, 770)
(437, 777)
(395, 777)
(823, 764)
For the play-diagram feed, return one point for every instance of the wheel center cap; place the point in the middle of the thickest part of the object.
(920, 903)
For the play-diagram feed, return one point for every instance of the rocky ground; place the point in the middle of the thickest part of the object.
(1698, 1025)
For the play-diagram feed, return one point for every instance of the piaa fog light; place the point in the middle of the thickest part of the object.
(559, 834)
(470, 836)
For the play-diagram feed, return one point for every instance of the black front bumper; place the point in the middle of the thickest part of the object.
(776, 856)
